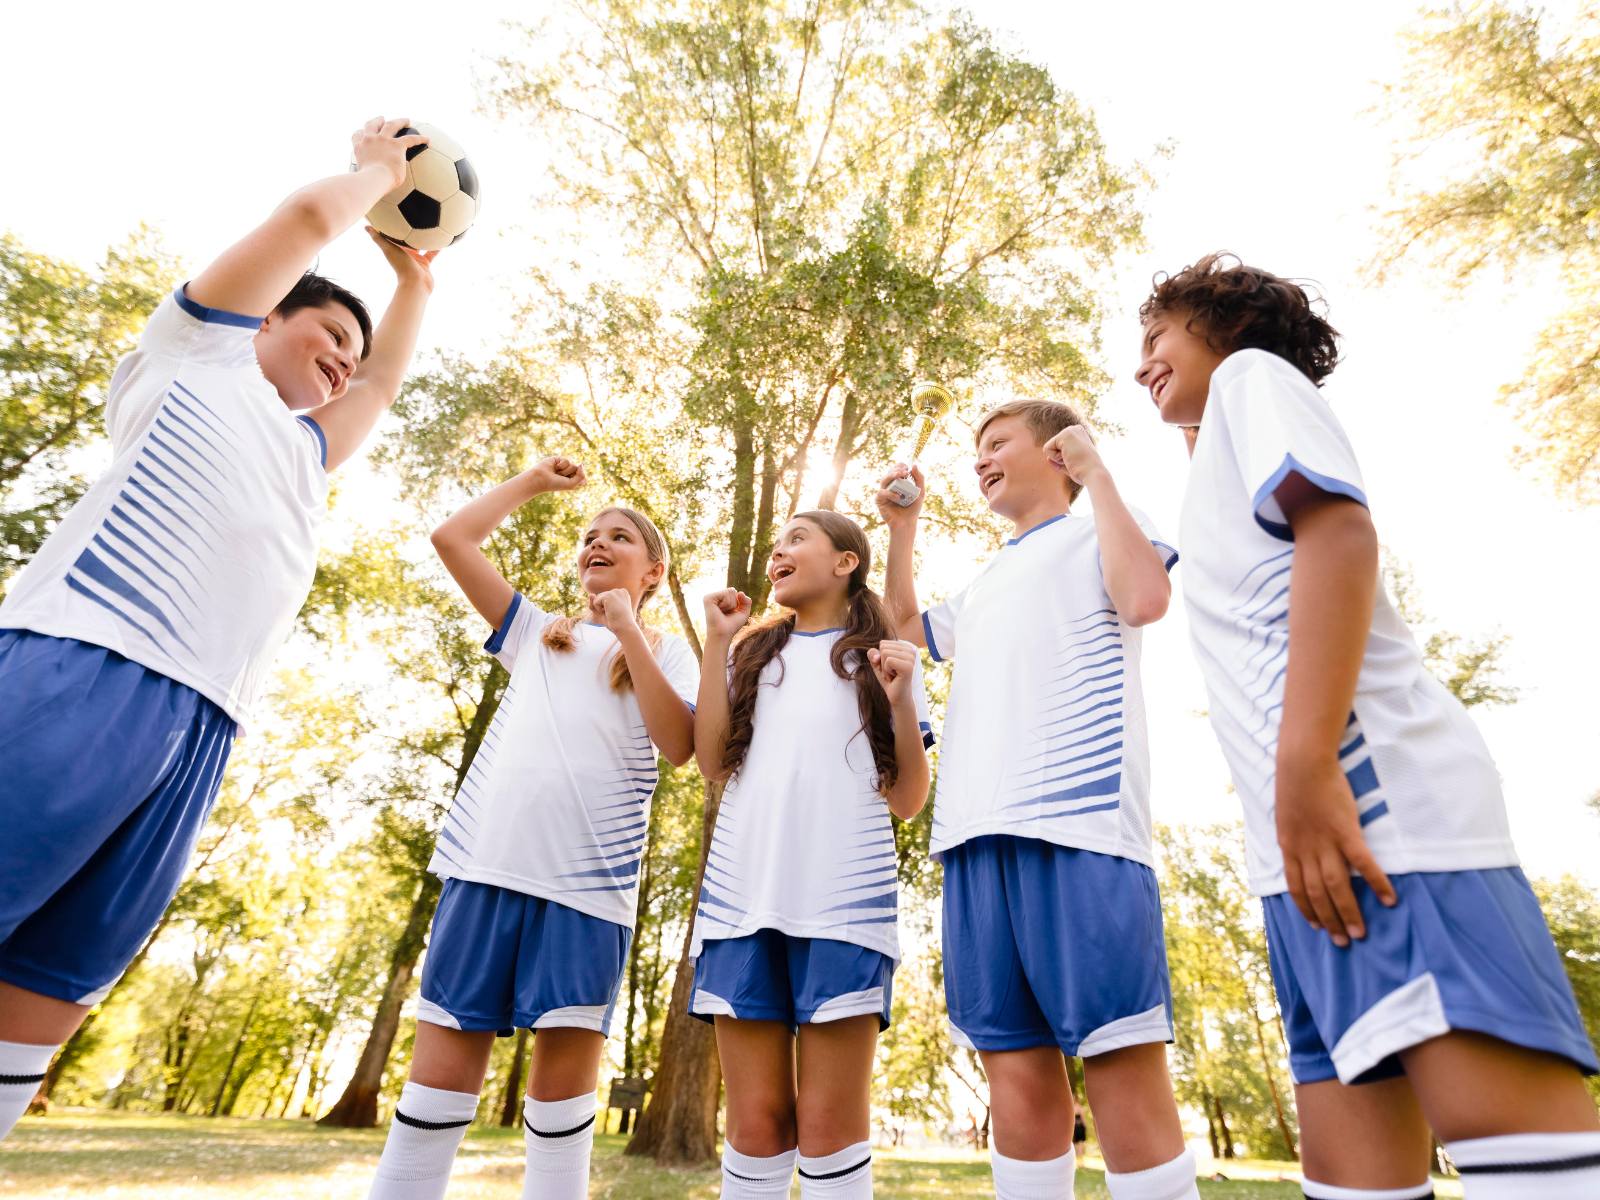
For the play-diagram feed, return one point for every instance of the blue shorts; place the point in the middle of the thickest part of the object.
(107, 772)
(770, 976)
(1047, 945)
(502, 960)
(1464, 950)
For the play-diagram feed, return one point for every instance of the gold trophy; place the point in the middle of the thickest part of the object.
(931, 402)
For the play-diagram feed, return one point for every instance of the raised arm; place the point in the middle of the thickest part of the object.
(1134, 572)
(667, 719)
(726, 613)
(459, 539)
(895, 664)
(900, 584)
(346, 421)
(255, 273)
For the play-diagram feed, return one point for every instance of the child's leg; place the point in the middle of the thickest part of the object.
(32, 1026)
(1369, 1137)
(1517, 1122)
(833, 1113)
(758, 1070)
(1141, 1136)
(435, 1108)
(1031, 1107)
(559, 1112)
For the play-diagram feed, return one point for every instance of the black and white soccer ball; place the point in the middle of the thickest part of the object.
(439, 198)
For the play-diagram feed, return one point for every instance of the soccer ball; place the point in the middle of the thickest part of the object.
(439, 198)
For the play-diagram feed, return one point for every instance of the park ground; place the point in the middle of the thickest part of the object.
(123, 1157)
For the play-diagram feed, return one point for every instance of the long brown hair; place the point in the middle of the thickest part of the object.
(866, 624)
(558, 634)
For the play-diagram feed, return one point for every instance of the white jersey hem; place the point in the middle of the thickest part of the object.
(543, 891)
(1115, 848)
(1460, 856)
(826, 931)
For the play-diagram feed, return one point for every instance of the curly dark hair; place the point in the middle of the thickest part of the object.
(1236, 307)
(866, 624)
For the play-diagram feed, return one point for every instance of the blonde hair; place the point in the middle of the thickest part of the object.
(558, 635)
(1044, 419)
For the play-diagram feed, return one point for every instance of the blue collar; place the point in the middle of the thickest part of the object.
(1036, 528)
(816, 632)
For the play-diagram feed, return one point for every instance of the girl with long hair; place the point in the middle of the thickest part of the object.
(540, 852)
(819, 727)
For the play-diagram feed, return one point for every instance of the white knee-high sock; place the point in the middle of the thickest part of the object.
(560, 1135)
(22, 1069)
(1172, 1180)
(745, 1177)
(1019, 1179)
(1326, 1191)
(1529, 1166)
(843, 1175)
(428, 1126)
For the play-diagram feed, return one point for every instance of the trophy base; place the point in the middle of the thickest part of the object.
(905, 492)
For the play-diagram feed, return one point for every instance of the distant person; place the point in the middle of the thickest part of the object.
(1053, 941)
(817, 720)
(1418, 981)
(134, 645)
(541, 849)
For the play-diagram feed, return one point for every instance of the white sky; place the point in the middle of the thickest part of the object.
(198, 117)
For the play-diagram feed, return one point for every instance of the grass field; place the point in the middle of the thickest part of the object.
(79, 1153)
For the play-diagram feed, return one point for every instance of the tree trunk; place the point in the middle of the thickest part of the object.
(1222, 1126)
(849, 422)
(233, 1059)
(1272, 1085)
(511, 1106)
(679, 1127)
(1211, 1122)
(357, 1107)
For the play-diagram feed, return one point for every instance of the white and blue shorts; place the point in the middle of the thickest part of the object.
(107, 772)
(769, 975)
(1463, 950)
(1048, 945)
(500, 960)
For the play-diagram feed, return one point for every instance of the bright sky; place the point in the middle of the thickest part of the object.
(197, 118)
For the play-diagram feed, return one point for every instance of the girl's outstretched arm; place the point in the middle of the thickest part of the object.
(459, 539)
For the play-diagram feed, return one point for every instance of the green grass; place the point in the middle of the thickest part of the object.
(82, 1153)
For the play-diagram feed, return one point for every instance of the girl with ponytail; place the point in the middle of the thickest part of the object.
(819, 726)
(540, 851)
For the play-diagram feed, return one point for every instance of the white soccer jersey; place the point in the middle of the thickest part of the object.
(804, 841)
(1045, 735)
(1427, 791)
(193, 553)
(557, 802)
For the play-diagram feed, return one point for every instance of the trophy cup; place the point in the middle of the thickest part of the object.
(931, 402)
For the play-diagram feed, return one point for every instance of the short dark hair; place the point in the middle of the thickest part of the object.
(313, 291)
(1245, 308)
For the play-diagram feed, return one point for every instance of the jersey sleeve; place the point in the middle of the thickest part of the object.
(1169, 552)
(522, 623)
(939, 627)
(1278, 424)
(682, 672)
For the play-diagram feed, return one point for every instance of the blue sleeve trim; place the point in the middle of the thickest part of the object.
(927, 636)
(693, 707)
(213, 316)
(1169, 554)
(497, 639)
(1293, 466)
(322, 438)
(927, 735)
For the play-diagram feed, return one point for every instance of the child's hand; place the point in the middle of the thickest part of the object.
(410, 266)
(893, 663)
(726, 612)
(894, 514)
(1319, 833)
(614, 610)
(375, 145)
(556, 474)
(1072, 450)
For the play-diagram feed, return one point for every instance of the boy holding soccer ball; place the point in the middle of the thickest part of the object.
(139, 636)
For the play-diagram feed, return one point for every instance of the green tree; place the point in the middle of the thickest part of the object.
(1470, 667)
(1502, 168)
(62, 331)
(1572, 910)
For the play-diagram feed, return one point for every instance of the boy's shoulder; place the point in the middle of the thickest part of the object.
(1255, 365)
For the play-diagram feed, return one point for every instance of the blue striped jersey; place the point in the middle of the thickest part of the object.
(1045, 734)
(804, 842)
(556, 803)
(1426, 791)
(193, 553)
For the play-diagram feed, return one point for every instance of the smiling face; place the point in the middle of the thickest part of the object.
(805, 566)
(1014, 475)
(1175, 366)
(613, 554)
(310, 354)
